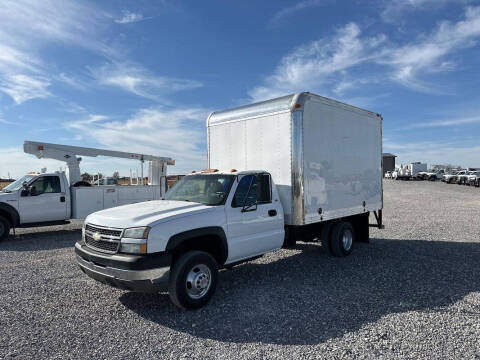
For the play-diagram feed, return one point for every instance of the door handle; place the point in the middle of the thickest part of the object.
(62, 198)
(272, 212)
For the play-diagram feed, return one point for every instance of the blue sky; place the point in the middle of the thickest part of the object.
(143, 75)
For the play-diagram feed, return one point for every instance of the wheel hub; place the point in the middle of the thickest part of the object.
(347, 239)
(198, 281)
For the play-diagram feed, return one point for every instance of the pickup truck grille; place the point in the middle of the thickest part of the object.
(102, 239)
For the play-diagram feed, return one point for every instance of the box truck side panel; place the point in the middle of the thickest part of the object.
(342, 160)
(255, 143)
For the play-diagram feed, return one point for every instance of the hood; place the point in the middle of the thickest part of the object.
(145, 213)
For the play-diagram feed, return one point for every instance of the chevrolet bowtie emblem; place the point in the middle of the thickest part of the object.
(96, 236)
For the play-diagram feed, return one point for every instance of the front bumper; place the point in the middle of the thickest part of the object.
(139, 273)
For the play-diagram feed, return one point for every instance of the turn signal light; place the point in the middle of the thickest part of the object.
(233, 170)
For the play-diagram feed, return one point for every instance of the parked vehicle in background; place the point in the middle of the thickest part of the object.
(412, 171)
(431, 175)
(473, 178)
(310, 168)
(462, 177)
(451, 177)
(54, 197)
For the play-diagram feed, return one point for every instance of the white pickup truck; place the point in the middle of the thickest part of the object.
(43, 199)
(320, 177)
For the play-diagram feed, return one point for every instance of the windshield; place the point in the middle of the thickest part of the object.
(205, 189)
(16, 185)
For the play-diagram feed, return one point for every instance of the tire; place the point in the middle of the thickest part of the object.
(4, 228)
(342, 239)
(193, 267)
(325, 237)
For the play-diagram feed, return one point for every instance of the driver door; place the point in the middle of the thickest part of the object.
(44, 202)
(255, 223)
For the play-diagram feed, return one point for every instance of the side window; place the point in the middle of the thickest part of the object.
(264, 189)
(45, 185)
(239, 199)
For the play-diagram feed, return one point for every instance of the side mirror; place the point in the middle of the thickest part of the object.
(24, 193)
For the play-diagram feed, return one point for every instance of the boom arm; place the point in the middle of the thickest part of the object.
(70, 155)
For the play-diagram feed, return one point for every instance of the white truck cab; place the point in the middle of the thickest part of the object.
(34, 199)
(320, 177)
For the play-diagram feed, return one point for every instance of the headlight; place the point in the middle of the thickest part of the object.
(137, 233)
(133, 248)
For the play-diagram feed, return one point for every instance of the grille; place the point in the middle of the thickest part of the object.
(103, 231)
(110, 246)
(109, 238)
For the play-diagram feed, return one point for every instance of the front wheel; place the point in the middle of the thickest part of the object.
(342, 238)
(193, 280)
(4, 228)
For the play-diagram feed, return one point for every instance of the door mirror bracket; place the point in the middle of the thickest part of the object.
(250, 207)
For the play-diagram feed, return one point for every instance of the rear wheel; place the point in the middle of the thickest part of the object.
(342, 238)
(193, 280)
(325, 237)
(4, 228)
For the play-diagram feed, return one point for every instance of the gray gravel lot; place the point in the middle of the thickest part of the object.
(413, 292)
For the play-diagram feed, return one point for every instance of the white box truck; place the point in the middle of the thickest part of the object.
(297, 168)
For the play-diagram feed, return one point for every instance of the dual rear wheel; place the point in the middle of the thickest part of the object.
(338, 238)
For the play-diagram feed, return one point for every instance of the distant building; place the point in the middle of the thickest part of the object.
(388, 162)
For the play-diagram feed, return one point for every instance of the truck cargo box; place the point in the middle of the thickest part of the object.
(325, 156)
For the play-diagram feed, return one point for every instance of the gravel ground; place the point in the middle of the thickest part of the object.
(413, 292)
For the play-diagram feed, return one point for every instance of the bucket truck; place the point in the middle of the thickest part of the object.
(48, 198)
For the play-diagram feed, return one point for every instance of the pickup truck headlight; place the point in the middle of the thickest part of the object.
(138, 242)
(137, 248)
(137, 232)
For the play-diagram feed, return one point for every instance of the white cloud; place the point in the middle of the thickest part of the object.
(139, 81)
(290, 10)
(319, 65)
(27, 26)
(6, 122)
(175, 133)
(23, 87)
(129, 17)
(426, 55)
(394, 10)
(444, 123)
(315, 65)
